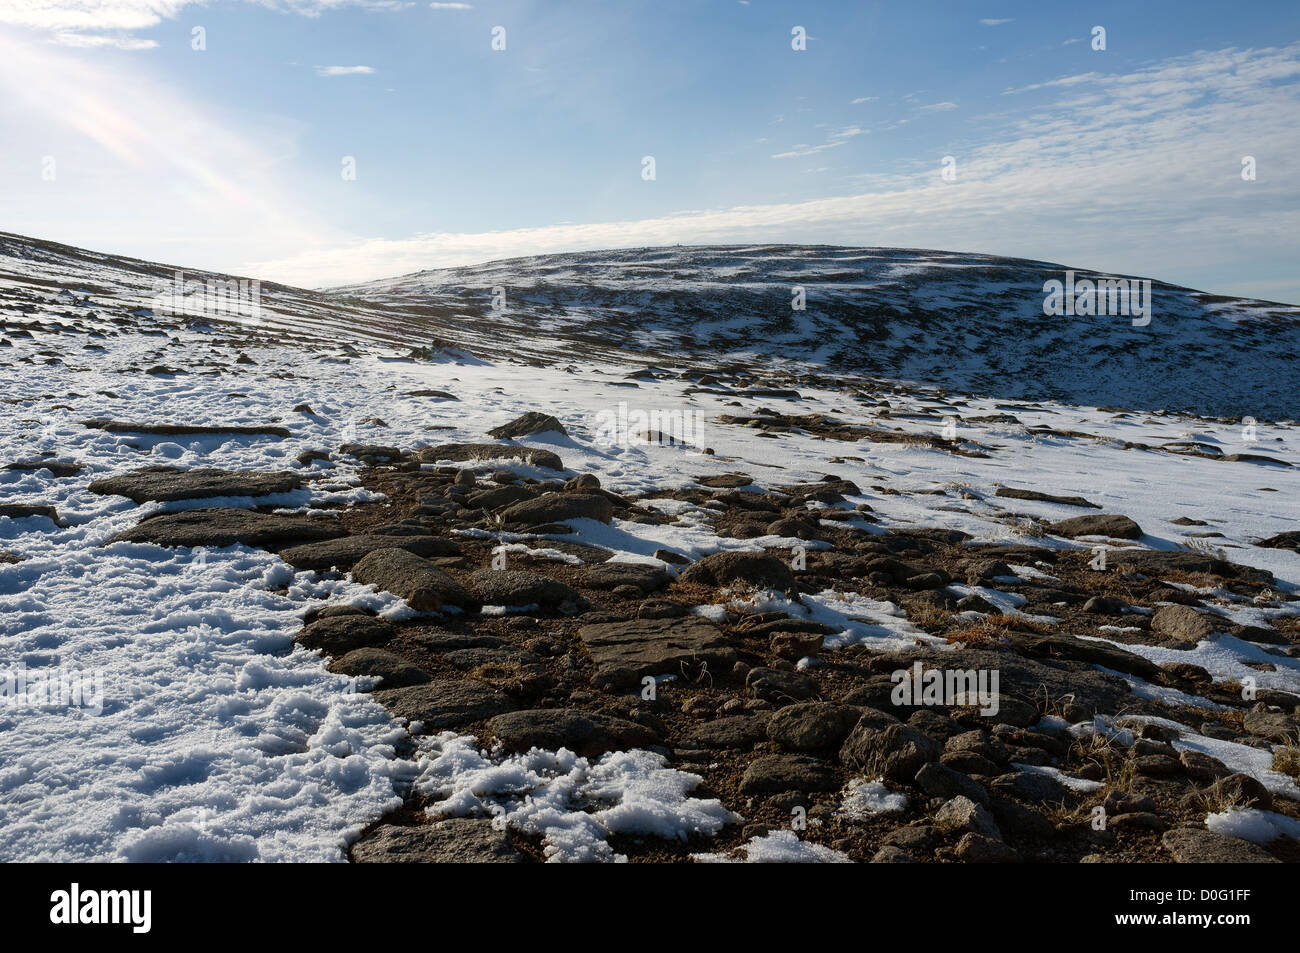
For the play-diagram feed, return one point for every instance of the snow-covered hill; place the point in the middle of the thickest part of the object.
(972, 323)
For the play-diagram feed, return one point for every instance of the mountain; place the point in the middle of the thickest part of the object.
(972, 323)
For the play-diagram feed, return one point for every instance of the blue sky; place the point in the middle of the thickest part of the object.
(230, 157)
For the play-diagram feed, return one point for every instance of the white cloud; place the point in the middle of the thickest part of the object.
(938, 107)
(989, 21)
(863, 99)
(118, 41)
(72, 21)
(1132, 172)
(450, 6)
(344, 70)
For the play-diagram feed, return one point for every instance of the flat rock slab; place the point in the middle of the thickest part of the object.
(517, 587)
(735, 732)
(338, 635)
(558, 507)
(395, 671)
(1112, 525)
(424, 586)
(462, 452)
(611, 575)
(226, 526)
(346, 551)
(59, 468)
(624, 652)
(1192, 845)
(184, 430)
(166, 484)
(445, 703)
(777, 773)
(1011, 492)
(589, 734)
(457, 840)
(22, 511)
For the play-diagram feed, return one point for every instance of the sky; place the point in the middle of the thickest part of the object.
(324, 142)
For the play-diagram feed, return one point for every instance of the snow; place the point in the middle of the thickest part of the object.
(777, 847)
(1254, 825)
(575, 804)
(864, 798)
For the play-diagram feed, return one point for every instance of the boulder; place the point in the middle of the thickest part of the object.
(424, 586)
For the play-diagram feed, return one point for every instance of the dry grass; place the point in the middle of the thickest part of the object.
(994, 628)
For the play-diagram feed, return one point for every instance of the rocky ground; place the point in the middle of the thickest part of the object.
(405, 604)
(777, 726)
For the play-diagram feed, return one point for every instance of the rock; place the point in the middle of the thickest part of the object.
(1242, 790)
(1015, 494)
(1181, 625)
(1105, 605)
(757, 569)
(57, 468)
(812, 726)
(184, 430)
(1111, 525)
(978, 849)
(462, 452)
(457, 840)
(889, 854)
(165, 484)
(1274, 726)
(589, 734)
(308, 457)
(793, 646)
(226, 526)
(939, 780)
(962, 814)
(498, 497)
(1137, 821)
(670, 557)
(395, 671)
(661, 609)
(625, 652)
(737, 732)
(1193, 845)
(443, 704)
(22, 511)
(515, 587)
(1201, 767)
(559, 507)
(793, 528)
(611, 575)
(1060, 645)
(1032, 786)
(337, 635)
(530, 423)
(372, 454)
(777, 773)
(424, 586)
(346, 551)
(883, 747)
(9, 559)
(779, 687)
